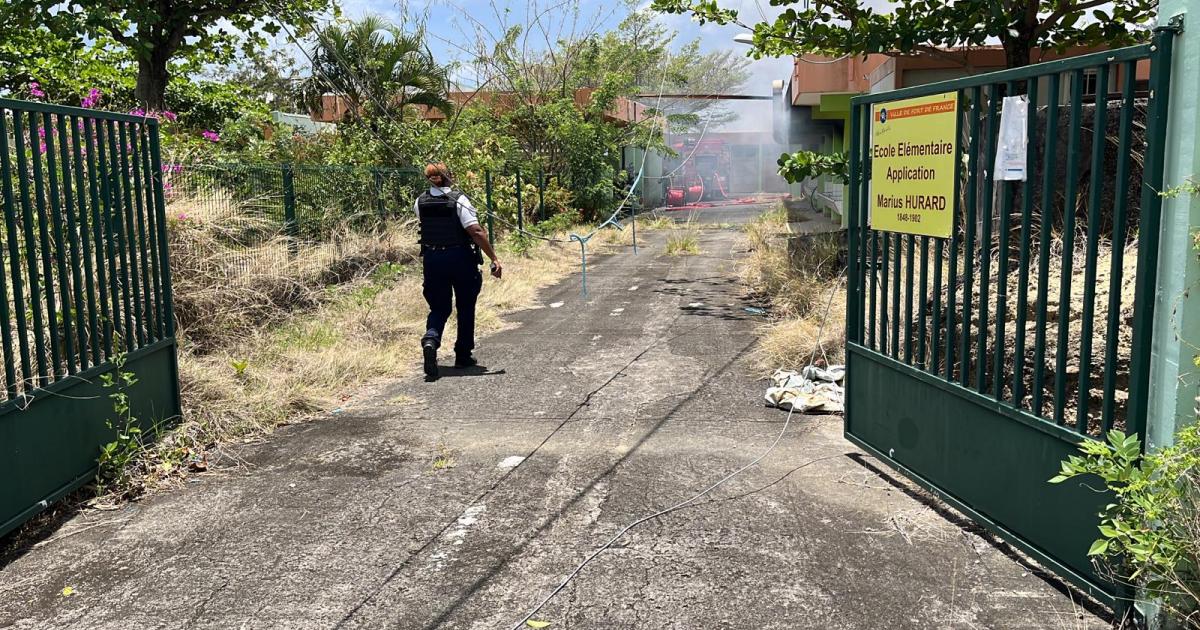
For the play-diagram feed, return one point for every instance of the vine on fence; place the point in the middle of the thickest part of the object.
(114, 470)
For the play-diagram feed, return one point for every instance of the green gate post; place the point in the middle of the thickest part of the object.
(1173, 376)
(487, 187)
(290, 226)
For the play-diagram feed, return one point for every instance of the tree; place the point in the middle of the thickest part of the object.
(157, 32)
(936, 27)
(271, 75)
(378, 68)
(638, 55)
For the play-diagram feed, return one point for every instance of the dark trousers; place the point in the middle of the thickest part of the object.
(450, 272)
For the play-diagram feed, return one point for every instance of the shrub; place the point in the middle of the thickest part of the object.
(1150, 535)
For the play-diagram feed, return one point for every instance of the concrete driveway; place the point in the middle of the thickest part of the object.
(464, 502)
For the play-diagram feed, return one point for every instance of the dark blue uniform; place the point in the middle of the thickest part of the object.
(451, 268)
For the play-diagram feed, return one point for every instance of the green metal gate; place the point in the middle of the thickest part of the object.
(978, 362)
(85, 284)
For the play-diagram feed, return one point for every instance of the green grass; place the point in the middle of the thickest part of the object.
(683, 242)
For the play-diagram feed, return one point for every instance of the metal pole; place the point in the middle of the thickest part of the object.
(520, 210)
(378, 175)
(487, 186)
(541, 194)
(290, 227)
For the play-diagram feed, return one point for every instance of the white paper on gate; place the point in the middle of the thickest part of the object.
(1013, 142)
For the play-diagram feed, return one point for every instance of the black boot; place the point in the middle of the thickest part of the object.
(465, 361)
(429, 348)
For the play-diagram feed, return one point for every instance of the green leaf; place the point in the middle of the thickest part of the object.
(1098, 548)
(537, 624)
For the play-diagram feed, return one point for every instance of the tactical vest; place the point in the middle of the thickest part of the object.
(440, 225)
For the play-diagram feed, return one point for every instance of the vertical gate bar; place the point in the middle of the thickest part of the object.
(935, 343)
(132, 303)
(56, 169)
(1007, 190)
(1018, 381)
(1091, 260)
(10, 372)
(864, 212)
(853, 282)
(151, 231)
(32, 255)
(884, 295)
(141, 202)
(160, 214)
(1116, 271)
(97, 178)
(1148, 233)
(1068, 248)
(875, 237)
(112, 224)
(875, 257)
(922, 313)
(972, 198)
(84, 236)
(14, 250)
(1049, 173)
(952, 281)
(138, 337)
(895, 311)
(908, 298)
(985, 240)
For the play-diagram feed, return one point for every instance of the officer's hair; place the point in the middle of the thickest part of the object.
(438, 168)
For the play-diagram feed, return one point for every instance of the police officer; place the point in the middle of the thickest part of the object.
(451, 239)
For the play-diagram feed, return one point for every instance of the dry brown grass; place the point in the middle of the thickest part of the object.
(808, 308)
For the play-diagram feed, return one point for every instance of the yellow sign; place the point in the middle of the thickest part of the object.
(913, 149)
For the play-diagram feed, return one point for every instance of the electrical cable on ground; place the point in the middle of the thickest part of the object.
(677, 506)
(483, 495)
(682, 504)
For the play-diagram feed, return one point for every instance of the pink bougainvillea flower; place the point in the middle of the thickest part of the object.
(182, 216)
(178, 168)
(170, 116)
(211, 136)
(35, 90)
(92, 99)
(138, 112)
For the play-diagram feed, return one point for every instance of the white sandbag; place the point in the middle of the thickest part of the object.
(812, 390)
